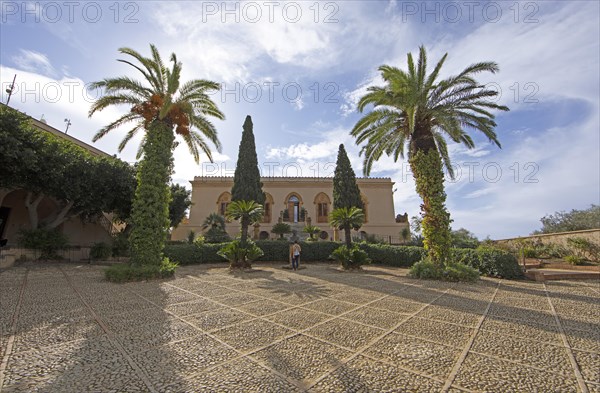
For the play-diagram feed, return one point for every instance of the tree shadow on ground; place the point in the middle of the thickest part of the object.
(76, 332)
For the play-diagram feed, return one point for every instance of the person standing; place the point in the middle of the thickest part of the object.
(295, 251)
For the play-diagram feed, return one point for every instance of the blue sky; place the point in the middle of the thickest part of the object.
(298, 68)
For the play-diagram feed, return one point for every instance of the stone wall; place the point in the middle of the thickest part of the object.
(559, 238)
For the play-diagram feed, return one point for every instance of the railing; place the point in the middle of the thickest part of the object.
(108, 225)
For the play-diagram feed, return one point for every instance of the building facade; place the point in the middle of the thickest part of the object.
(298, 201)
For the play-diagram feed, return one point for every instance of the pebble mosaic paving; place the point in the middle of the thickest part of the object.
(64, 329)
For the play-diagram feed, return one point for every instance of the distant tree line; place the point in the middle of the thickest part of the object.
(575, 220)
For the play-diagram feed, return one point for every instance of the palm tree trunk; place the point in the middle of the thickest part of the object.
(429, 178)
(348, 236)
(150, 213)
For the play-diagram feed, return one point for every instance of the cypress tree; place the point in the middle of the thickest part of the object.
(345, 190)
(246, 180)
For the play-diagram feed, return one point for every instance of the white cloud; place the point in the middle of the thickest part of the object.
(33, 61)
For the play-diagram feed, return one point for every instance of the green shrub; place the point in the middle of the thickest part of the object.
(188, 254)
(127, 272)
(239, 255)
(281, 228)
(489, 261)
(574, 259)
(47, 241)
(399, 256)
(426, 269)
(552, 250)
(100, 250)
(350, 258)
(120, 245)
(530, 252)
(216, 235)
(584, 248)
(315, 251)
(191, 236)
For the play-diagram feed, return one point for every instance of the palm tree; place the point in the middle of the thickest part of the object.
(416, 110)
(312, 230)
(214, 221)
(281, 228)
(248, 212)
(162, 108)
(347, 218)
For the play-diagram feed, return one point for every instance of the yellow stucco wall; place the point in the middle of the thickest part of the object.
(377, 193)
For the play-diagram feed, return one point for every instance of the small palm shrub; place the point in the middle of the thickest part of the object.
(350, 257)
(238, 255)
(281, 228)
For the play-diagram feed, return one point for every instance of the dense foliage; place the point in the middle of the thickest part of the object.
(216, 233)
(100, 250)
(150, 213)
(128, 272)
(246, 180)
(575, 220)
(47, 241)
(46, 165)
(435, 225)
(462, 238)
(350, 257)
(181, 200)
(489, 261)
(162, 107)
(427, 269)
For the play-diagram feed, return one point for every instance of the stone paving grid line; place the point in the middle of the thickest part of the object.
(13, 328)
(357, 352)
(297, 332)
(241, 353)
(140, 373)
(360, 351)
(468, 345)
(563, 336)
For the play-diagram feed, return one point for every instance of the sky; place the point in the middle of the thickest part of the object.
(300, 67)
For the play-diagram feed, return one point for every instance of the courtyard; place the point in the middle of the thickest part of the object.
(65, 329)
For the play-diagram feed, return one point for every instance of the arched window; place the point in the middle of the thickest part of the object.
(268, 216)
(222, 202)
(322, 206)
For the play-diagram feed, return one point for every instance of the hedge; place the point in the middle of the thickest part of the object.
(489, 261)
(188, 254)
(399, 256)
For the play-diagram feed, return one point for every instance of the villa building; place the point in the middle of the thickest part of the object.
(298, 201)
